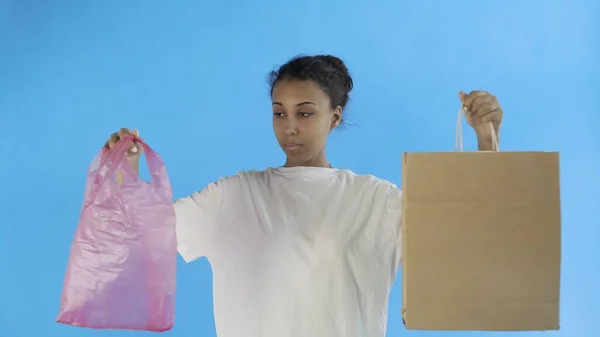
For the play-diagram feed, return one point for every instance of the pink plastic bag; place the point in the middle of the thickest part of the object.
(122, 265)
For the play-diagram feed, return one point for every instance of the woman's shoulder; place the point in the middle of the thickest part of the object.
(370, 179)
(241, 177)
(382, 191)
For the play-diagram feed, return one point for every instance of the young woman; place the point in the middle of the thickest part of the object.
(305, 249)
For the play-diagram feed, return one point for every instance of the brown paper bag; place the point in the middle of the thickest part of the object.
(481, 241)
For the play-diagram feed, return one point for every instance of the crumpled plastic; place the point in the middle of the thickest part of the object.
(121, 272)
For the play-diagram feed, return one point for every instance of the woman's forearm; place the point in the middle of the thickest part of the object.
(484, 142)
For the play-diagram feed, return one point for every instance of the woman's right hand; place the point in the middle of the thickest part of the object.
(133, 155)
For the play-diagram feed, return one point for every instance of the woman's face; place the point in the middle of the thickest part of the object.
(302, 120)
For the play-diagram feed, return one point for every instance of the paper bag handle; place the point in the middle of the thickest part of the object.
(458, 145)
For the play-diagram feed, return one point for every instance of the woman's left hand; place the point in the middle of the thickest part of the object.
(481, 109)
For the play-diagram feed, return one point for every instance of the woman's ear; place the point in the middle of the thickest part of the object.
(336, 117)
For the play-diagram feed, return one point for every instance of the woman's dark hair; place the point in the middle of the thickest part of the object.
(328, 71)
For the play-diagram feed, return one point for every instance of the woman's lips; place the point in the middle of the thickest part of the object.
(292, 146)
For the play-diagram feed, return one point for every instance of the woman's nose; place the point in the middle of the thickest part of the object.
(291, 128)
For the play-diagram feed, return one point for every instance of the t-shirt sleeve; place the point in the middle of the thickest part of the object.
(394, 219)
(197, 216)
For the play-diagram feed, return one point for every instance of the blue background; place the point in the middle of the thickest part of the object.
(190, 75)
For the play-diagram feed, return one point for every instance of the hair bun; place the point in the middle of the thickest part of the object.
(340, 66)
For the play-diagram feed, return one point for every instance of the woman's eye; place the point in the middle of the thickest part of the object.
(278, 114)
(304, 114)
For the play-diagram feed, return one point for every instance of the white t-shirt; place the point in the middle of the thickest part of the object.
(296, 252)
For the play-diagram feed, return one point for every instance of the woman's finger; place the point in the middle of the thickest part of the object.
(480, 101)
(124, 132)
(492, 116)
(468, 99)
(114, 138)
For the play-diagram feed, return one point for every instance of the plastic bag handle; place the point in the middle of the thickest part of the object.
(114, 158)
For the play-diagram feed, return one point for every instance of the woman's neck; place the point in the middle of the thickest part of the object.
(319, 161)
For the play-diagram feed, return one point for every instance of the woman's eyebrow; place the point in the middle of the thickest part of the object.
(299, 104)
